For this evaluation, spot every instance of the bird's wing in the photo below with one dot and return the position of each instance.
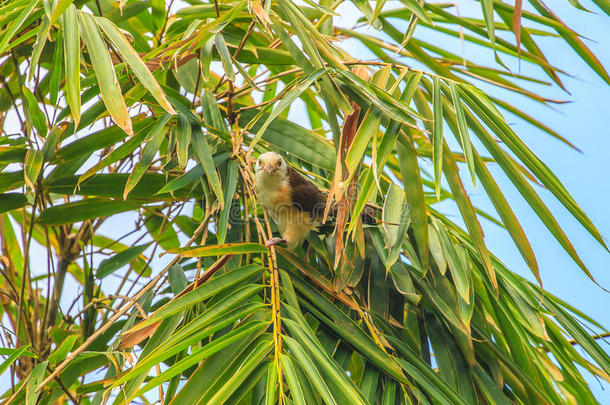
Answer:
(305, 195)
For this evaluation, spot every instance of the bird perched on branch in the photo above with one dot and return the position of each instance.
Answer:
(294, 203)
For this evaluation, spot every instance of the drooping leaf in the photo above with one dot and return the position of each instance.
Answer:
(105, 75)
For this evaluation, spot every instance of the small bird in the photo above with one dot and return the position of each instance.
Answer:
(294, 203)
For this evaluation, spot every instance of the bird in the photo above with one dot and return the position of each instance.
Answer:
(294, 203)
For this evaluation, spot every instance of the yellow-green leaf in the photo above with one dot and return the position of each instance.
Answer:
(104, 72)
(33, 164)
(72, 62)
(131, 57)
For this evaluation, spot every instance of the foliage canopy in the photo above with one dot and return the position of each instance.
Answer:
(128, 131)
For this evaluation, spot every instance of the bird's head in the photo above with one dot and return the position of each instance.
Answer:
(271, 165)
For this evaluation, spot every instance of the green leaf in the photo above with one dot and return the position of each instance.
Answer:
(192, 175)
(328, 367)
(153, 142)
(488, 10)
(271, 384)
(229, 385)
(213, 286)
(414, 193)
(310, 369)
(284, 103)
(15, 25)
(230, 185)
(468, 213)
(117, 154)
(32, 167)
(161, 229)
(463, 130)
(13, 357)
(437, 136)
(218, 317)
(139, 68)
(183, 139)
(204, 155)
(11, 180)
(62, 351)
(71, 47)
(296, 392)
(217, 250)
(34, 114)
(225, 56)
(104, 72)
(11, 201)
(108, 266)
(417, 9)
(485, 109)
(60, 7)
(83, 210)
(348, 330)
(403, 282)
(36, 376)
(393, 209)
(390, 106)
(206, 58)
(214, 347)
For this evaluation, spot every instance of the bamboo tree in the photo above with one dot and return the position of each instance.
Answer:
(132, 245)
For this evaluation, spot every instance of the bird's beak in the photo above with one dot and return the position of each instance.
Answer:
(270, 168)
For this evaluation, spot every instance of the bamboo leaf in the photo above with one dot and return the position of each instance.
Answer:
(153, 142)
(15, 25)
(284, 103)
(119, 260)
(34, 113)
(83, 210)
(32, 166)
(414, 193)
(437, 136)
(271, 384)
(225, 56)
(229, 188)
(296, 392)
(13, 357)
(229, 248)
(205, 352)
(41, 39)
(11, 201)
(463, 130)
(104, 72)
(204, 155)
(483, 107)
(183, 141)
(36, 376)
(71, 48)
(62, 351)
(131, 57)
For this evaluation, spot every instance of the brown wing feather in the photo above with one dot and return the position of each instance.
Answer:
(305, 195)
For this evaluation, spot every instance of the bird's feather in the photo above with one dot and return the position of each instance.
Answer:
(305, 195)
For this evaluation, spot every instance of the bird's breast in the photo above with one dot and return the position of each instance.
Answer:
(274, 196)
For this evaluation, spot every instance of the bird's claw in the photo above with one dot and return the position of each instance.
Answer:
(274, 241)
